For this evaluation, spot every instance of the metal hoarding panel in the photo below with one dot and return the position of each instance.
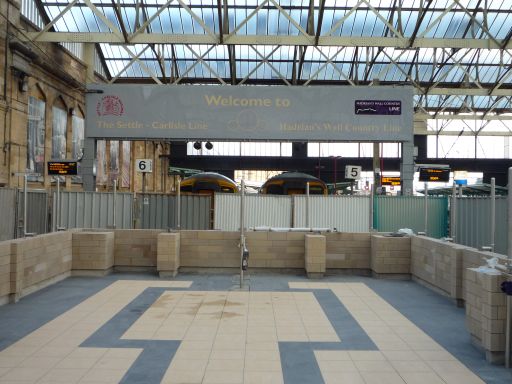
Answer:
(345, 213)
(8, 209)
(260, 210)
(395, 212)
(94, 210)
(37, 212)
(158, 211)
(473, 222)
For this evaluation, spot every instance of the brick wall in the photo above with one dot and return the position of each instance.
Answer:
(276, 249)
(135, 247)
(5, 268)
(391, 254)
(93, 250)
(348, 250)
(168, 253)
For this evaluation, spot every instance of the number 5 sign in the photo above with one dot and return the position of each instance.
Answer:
(144, 165)
(352, 172)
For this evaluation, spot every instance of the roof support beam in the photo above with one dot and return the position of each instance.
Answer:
(348, 41)
(117, 11)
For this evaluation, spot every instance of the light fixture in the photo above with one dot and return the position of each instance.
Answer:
(197, 145)
(22, 79)
(208, 145)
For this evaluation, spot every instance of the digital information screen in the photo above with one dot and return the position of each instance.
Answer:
(62, 168)
(435, 174)
(390, 180)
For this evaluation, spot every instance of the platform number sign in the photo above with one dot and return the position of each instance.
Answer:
(144, 165)
(352, 172)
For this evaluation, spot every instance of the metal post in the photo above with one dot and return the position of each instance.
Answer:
(58, 203)
(308, 212)
(178, 206)
(371, 208)
(453, 213)
(460, 190)
(425, 190)
(25, 185)
(144, 182)
(242, 236)
(508, 324)
(493, 211)
(114, 205)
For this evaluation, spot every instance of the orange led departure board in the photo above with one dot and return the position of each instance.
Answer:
(62, 168)
(390, 180)
(435, 174)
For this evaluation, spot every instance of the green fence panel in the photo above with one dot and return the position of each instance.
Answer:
(394, 212)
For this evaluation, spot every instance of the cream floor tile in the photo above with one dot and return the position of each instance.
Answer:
(366, 356)
(342, 378)
(195, 345)
(411, 366)
(263, 377)
(58, 375)
(225, 365)
(374, 366)
(262, 346)
(332, 356)
(460, 377)
(293, 337)
(27, 374)
(77, 362)
(382, 378)
(39, 362)
(435, 355)
(400, 355)
(422, 378)
(448, 367)
(337, 366)
(114, 363)
(227, 354)
(262, 354)
(103, 376)
(200, 354)
(183, 377)
(19, 350)
(54, 351)
(262, 365)
(223, 377)
(10, 361)
(178, 364)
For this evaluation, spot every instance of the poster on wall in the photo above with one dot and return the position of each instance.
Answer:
(320, 113)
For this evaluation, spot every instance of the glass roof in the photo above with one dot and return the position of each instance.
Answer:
(443, 44)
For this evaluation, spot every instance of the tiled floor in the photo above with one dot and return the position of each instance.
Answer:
(285, 329)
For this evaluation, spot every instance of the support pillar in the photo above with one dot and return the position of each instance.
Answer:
(407, 168)
(89, 157)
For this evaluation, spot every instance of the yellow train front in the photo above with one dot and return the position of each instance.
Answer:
(293, 183)
(207, 183)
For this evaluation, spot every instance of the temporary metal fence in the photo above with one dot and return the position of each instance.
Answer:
(473, 222)
(8, 209)
(159, 211)
(260, 210)
(93, 210)
(37, 212)
(395, 212)
(343, 213)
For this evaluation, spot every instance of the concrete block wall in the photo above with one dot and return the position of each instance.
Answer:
(45, 256)
(93, 250)
(168, 253)
(214, 249)
(486, 313)
(439, 264)
(348, 250)
(5, 268)
(391, 255)
(135, 247)
(276, 249)
(315, 246)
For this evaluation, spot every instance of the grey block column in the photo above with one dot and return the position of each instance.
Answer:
(407, 167)
(90, 144)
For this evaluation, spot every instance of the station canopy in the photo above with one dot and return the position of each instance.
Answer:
(456, 54)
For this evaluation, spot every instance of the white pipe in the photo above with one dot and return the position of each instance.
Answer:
(58, 203)
(425, 190)
(25, 198)
(493, 211)
(178, 206)
(114, 205)
(371, 208)
(242, 222)
(509, 264)
(453, 214)
(308, 207)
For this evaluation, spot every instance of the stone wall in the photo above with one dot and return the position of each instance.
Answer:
(168, 253)
(438, 263)
(214, 249)
(348, 251)
(276, 249)
(135, 248)
(93, 251)
(391, 255)
(486, 312)
(5, 268)
(315, 255)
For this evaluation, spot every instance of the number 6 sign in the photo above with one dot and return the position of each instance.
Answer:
(144, 165)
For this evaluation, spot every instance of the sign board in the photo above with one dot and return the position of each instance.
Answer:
(63, 168)
(460, 177)
(352, 172)
(435, 174)
(390, 180)
(206, 112)
(144, 165)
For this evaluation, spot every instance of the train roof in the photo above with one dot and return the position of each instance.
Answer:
(209, 175)
(294, 175)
